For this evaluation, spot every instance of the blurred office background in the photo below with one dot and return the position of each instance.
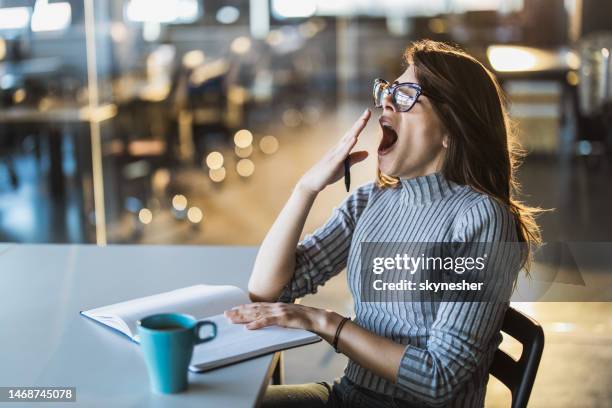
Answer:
(189, 121)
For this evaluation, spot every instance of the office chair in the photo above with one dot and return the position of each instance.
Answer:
(519, 376)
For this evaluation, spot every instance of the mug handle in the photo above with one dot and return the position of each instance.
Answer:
(199, 325)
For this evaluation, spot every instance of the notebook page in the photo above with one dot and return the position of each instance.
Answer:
(198, 300)
(234, 342)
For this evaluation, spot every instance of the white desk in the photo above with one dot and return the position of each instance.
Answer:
(45, 342)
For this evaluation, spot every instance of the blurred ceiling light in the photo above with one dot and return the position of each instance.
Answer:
(217, 175)
(194, 214)
(118, 32)
(509, 58)
(214, 160)
(151, 31)
(51, 17)
(145, 216)
(245, 167)
(268, 144)
(193, 58)
(188, 11)
(163, 11)
(243, 138)
(241, 45)
(14, 18)
(338, 8)
(179, 202)
(243, 152)
(293, 9)
(228, 15)
(259, 18)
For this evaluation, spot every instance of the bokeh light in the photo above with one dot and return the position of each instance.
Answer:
(193, 58)
(243, 138)
(241, 45)
(292, 117)
(217, 175)
(145, 216)
(268, 144)
(179, 202)
(243, 152)
(572, 78)
(194, 214)
(214, 160)
(245, 167)
(228, 15)
(19, 95)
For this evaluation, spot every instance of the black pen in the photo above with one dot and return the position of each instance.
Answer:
(347, 173)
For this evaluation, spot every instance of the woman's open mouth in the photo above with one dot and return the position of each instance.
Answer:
(389, 137)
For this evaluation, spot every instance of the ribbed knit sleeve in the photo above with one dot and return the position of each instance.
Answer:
(323, 254)
(459, 340)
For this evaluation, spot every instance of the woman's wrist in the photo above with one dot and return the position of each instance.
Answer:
(325, 323)
(304, 189)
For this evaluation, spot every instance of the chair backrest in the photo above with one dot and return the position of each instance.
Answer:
(519, 376)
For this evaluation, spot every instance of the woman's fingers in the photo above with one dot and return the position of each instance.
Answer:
(360, 124)
(245, 313)
(356, 129)
(328, 168)
(258, 315)
(253, 311)
(350, 138)
(263, 322)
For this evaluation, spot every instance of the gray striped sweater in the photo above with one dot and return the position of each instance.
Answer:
(449, 344)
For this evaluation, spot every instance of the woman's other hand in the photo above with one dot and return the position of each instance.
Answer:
(330, 168)
(261, 314)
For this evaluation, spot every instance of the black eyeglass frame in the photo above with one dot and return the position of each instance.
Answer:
(391, 89)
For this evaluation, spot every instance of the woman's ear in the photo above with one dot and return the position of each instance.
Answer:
(445, 141)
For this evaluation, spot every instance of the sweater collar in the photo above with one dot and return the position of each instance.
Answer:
(425, 189)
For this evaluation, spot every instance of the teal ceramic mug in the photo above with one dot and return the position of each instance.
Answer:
(167, 341)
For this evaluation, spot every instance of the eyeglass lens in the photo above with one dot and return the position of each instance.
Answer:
(403, 97)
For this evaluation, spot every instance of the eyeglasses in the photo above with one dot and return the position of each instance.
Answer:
(403, 95)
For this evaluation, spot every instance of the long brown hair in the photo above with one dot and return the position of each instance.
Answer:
(483, 151)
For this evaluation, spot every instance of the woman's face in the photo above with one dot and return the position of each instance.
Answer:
(413, 143)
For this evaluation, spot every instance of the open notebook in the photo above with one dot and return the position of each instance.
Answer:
(233, 343)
